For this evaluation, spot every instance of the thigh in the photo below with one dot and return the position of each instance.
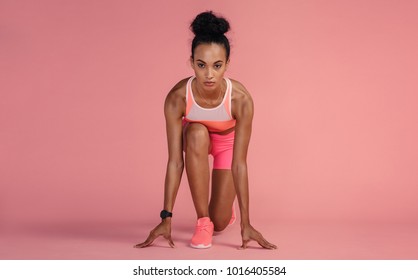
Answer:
(222, 150)
(222, 198)
(190, 128)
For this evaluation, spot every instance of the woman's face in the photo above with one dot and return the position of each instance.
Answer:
(209, 65)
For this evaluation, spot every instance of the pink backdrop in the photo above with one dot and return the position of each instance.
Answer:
(82, 86)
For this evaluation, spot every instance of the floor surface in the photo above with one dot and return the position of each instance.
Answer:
(295, 241)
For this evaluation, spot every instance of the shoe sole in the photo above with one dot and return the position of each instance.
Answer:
(200, 246)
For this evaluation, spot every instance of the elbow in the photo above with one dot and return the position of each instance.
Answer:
(176, 164)
(238, 167)
(180, 165)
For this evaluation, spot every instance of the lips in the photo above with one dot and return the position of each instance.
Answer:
(209, 84)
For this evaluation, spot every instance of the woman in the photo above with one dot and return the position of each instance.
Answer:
(208, 114)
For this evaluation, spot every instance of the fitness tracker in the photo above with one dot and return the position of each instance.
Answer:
(164, 214)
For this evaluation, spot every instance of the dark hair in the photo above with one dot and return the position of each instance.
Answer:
(209, 28)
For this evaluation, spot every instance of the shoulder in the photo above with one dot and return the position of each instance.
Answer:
(239, 93)
(176, 97)
(241, 98)
(179, 89)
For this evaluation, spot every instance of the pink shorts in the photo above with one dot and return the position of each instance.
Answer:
(222, 150)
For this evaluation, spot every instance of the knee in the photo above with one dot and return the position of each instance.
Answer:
(219, 225)
(219, 228)
(197, 138)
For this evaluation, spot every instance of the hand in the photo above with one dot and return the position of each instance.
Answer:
(248, 233)
(163, 229)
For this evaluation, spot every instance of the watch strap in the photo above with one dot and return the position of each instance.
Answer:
(165, 214)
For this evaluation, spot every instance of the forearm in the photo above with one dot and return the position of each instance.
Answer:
(240, 176)
(172, 183)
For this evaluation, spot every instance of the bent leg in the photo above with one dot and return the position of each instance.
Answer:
(196, 146)
(222, 198)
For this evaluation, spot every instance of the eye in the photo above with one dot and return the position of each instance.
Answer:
(217, 66)
(200, 65)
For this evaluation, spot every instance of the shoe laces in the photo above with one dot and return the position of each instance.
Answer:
(205, 227)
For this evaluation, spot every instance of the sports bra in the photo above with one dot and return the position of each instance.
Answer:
(215, 119)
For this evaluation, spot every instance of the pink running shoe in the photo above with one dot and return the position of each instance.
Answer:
(233, 216)
(202, 237)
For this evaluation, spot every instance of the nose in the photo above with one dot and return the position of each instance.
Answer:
(209, 73)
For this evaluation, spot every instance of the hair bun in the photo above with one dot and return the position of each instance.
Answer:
(207, 23)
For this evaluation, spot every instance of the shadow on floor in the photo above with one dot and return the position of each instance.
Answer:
(109, 231)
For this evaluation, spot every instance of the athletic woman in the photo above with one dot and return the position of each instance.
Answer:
(208, 114)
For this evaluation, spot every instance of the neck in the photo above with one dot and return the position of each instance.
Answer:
(210, 98)
(209, 94)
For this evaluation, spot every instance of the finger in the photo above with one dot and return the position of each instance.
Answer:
(146, 243)
(244, 244)
(269, 246)
(170, 242)
(265, 244)
(143, 244)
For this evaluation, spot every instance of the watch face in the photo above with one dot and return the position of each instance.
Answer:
(164, 214)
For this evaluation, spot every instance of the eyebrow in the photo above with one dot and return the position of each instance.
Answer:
(213, 63)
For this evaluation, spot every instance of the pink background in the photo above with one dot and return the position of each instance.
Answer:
(82, 136)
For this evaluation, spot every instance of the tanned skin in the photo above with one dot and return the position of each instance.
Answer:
(209, 64)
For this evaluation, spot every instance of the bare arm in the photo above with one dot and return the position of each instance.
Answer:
(173, 111)
(243, 113)
(174, 107)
